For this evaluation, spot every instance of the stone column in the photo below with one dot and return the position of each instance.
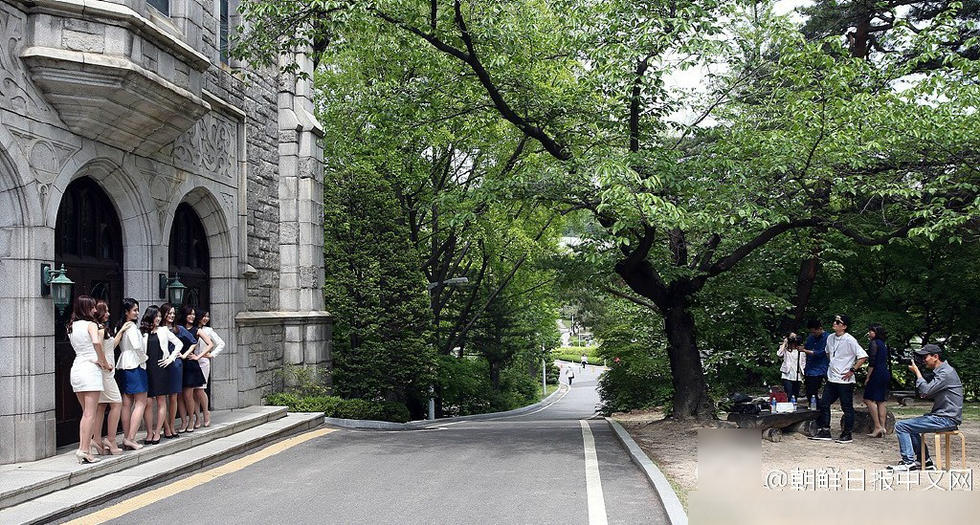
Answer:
(301, 223)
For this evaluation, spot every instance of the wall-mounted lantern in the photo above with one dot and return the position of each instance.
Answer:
(172, 289)
(56, 284)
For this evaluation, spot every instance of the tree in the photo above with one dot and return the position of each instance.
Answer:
(685, 200)
(375, 291)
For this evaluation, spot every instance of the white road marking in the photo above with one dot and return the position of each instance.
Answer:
(597, 504)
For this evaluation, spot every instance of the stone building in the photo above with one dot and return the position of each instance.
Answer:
(131, 148)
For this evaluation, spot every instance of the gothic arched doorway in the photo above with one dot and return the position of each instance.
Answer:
(190, 257)
(88, 241)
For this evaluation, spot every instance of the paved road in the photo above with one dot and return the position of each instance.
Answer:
(525, 469)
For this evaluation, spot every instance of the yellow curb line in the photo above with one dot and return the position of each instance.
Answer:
(155, 495)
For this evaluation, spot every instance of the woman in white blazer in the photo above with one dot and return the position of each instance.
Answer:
(131, 373)
(157, 340)
(206, 333)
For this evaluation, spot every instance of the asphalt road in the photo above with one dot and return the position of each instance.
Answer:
(524, 469)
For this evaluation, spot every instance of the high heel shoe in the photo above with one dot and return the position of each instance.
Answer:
(82, 457)
(111, 446)
(131, 445)
(96, 448)
(876, 434)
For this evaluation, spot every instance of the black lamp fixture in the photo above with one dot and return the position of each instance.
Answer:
(57, 284)
(172, 289)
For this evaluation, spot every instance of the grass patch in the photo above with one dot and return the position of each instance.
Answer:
(574, 354)
(551, 390)
(971, 411)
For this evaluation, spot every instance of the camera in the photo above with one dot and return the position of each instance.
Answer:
(794, 340)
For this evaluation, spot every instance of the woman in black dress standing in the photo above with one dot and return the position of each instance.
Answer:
(175, 372)
(193, 376)
(159, 365)
(879, 378)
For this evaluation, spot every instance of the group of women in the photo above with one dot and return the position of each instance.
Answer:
(163, 366)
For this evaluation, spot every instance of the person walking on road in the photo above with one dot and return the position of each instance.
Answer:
(570, 373)
(585, 361)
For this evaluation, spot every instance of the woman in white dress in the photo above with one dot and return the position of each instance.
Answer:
(110, 395)
(86, 371)
(206, 333)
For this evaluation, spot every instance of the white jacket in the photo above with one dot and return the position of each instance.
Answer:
(794, 362)
(132, 350)
(164, 347)
(219, 343)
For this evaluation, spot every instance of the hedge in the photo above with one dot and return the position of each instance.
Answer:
(333, 406)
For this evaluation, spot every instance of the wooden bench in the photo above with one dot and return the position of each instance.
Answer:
(772, 425)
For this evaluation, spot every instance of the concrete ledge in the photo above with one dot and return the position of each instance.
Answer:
(77, 498)
(20, 482)
(365, 424)
(672, 505)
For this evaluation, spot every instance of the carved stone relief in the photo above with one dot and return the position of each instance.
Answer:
(16, 91)
(209, 148)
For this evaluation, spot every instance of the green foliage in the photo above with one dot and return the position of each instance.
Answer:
(304, 381)
(333, 406)
(375, 292)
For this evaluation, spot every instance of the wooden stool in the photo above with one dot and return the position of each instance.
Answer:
(939, 450)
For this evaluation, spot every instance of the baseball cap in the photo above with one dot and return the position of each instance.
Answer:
(929, 349)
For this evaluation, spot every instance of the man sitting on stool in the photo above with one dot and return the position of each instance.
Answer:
(946, 391)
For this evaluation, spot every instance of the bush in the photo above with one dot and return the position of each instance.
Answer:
(574, 354)
(636, 382)
(333, 406)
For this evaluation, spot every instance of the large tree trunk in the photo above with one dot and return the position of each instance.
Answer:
(691, 397)
(804, 287)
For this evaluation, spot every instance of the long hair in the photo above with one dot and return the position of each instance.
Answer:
(102, 317)
(82, 310)
(201, 315)
(146, 323)
(165, 310)
(127, 305)
(880, 333)
(184, 312)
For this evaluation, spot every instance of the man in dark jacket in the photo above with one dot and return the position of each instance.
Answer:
(816, 358)
(946, 392)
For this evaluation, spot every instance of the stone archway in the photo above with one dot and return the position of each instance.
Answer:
(88, 242)
(221, 241)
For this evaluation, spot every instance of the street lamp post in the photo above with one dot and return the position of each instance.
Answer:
(455, 281)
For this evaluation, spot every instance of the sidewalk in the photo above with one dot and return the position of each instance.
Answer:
(56, 486)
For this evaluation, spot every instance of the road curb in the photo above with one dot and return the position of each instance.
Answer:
(366, 424)
(672, 505)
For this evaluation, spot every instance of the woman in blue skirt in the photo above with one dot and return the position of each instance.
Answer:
(131, 373)
(879, 378)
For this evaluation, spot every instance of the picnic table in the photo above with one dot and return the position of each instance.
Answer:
(773, 425)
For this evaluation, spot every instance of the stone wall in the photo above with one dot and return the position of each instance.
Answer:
(190, 131)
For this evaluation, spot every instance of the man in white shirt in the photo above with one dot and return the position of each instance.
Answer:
(846, 356)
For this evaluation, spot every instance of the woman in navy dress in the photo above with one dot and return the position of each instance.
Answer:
(175, 381)
(879, 378)
(193, 375)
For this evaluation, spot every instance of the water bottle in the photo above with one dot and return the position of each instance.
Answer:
(792, 399)
(813, 402)
(772, 404)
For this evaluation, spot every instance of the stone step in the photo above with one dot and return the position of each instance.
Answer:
(20, 482)
(64, 502)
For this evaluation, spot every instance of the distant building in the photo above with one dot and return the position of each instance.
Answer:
(131, 149)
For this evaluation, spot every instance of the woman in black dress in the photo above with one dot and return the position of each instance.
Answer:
(175, 372)
(193, 376)
(159, 365)
(879, 377)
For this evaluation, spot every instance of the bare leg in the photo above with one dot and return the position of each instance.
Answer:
(171, 413)
(97, 427)
(127, 414)
(883, 417)
(161, 416)
(202, 402)
(113, 427)
(148, 418)
(183, 409)
(139, 408)
(190, 408)
(873, 410)
(89, 402)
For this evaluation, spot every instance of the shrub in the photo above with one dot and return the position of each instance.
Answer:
(333, 406)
